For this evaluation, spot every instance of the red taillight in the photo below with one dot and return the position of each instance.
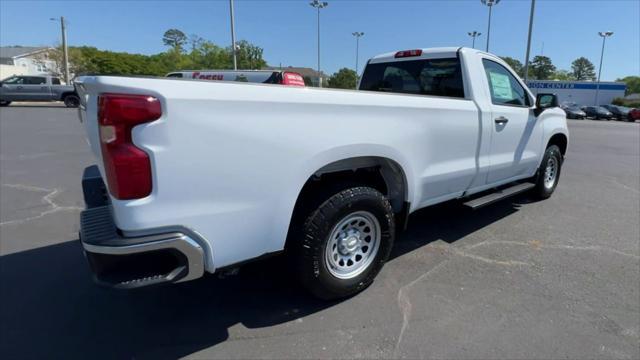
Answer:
(408, 53)
(292, 79)
(128, 168)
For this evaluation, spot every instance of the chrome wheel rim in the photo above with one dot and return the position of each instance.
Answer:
(353, 244)
(550, 173)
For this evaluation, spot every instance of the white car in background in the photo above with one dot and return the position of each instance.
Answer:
(253, 76)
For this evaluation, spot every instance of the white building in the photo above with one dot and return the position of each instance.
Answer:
(24, 60)
(579, 92)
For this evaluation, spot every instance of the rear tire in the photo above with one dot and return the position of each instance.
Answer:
(71, 101)
(342, 244)
(548, 174)
(4, 103)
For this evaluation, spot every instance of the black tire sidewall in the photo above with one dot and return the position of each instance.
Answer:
(541, 191)
(317, 228)
(71, 101)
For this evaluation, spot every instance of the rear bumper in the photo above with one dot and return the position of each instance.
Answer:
(129, 262)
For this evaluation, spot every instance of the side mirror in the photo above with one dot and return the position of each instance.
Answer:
(545, 101)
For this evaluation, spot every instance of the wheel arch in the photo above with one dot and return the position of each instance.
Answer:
(382, 173)
(559, 139)
(67, 93)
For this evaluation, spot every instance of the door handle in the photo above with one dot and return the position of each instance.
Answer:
(501, 120)
(44, 88)
(19, 87)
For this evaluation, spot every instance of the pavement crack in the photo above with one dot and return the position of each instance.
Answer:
(539, 245)
(404, 303)
(47, 199)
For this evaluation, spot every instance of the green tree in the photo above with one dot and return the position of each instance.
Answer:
(344, 79)
(541, 68)
(249, 56)
(175, 39)
(583, 69)
(633, 84)
(563, 75)
(308, 81)
(514, 64)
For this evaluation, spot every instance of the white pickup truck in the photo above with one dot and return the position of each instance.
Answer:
(202, 176)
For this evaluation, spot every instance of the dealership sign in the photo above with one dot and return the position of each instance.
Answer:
(574, 85)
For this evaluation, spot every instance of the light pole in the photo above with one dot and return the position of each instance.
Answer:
(233, 37)
(605, 35)
(358, 35)
(526, 59)
(65, 51)
(319, 5)
(490, 4)
(474, 34)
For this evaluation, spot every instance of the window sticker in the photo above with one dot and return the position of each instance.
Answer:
(501, 86)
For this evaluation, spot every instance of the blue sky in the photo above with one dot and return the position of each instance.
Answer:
(287, 29)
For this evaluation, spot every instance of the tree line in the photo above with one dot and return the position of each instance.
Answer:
(183, 52)
(541, 68)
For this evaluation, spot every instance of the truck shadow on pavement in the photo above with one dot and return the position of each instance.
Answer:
(50, 307)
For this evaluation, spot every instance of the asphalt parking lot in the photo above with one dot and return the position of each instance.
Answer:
(519, 279)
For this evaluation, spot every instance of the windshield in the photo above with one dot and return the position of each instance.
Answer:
(13, 80)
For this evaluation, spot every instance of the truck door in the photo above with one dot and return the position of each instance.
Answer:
(35, 88)
(12, 87)
(516, 138)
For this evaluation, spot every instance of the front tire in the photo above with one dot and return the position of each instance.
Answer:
(343, 243)
(548, 173)
(4, 103)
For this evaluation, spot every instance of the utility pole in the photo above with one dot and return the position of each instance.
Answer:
(490, 4)
(358, 35)
(233, 37)
(526, 59)
(605, 35)
(65, 50)
(319, 5)
(474, 34)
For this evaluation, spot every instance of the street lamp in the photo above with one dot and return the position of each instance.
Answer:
(526, 60)
(319, 5)
(233, 37)
(605, 35)
(474, 34)
(358, 35)
(490, 4)
(65, 51)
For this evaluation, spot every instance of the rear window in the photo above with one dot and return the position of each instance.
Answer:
(436, 77)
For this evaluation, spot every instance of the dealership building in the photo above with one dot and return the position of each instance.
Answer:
(579, 92)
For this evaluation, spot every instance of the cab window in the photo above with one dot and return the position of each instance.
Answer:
(504, 87)
(55, 81)
(36, 80)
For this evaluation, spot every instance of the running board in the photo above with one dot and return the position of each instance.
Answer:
(499, 195)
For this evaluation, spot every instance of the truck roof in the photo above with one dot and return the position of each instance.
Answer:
(427, 53)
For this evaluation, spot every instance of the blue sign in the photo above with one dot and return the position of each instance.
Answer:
(571, 86)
